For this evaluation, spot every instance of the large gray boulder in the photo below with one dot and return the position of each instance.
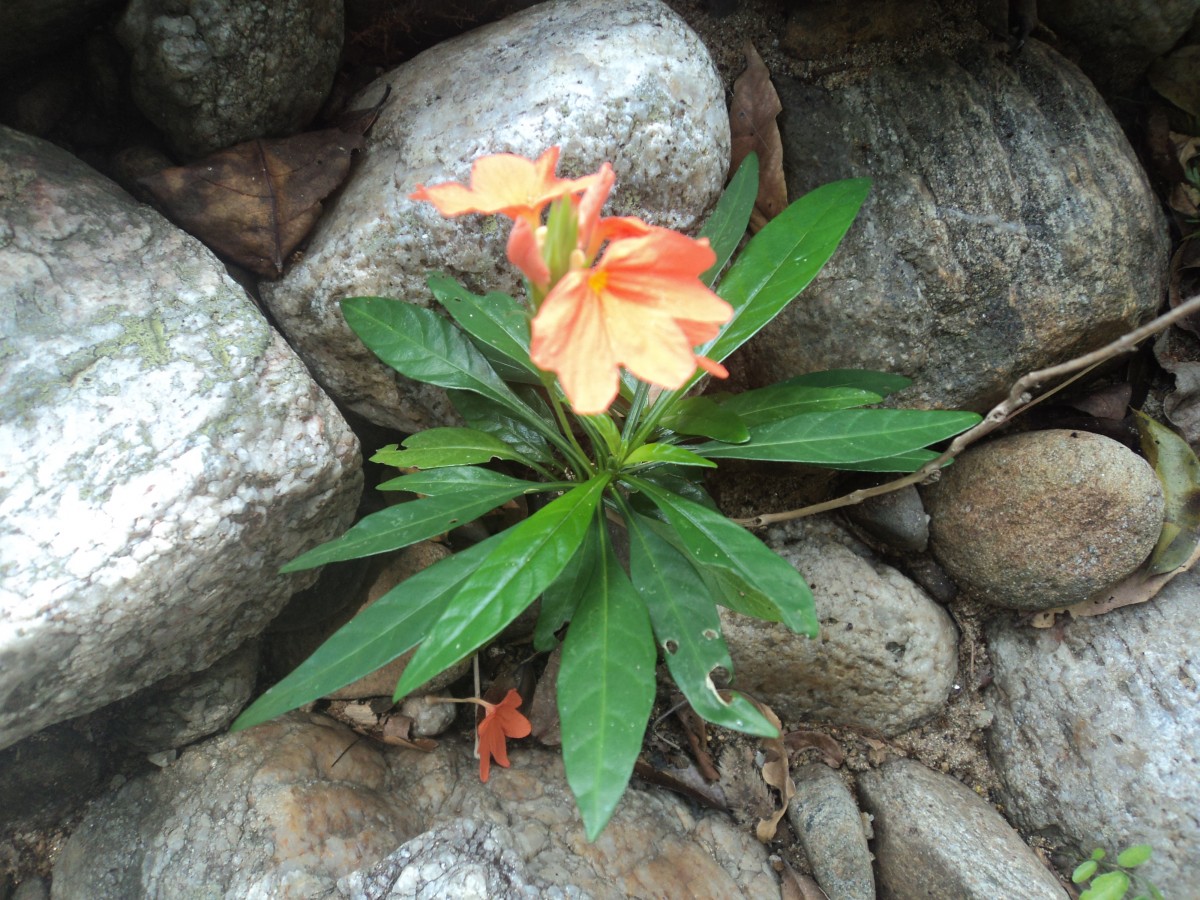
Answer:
(1009, 225)
(163, 451)
(627, 82)
(1096, 730)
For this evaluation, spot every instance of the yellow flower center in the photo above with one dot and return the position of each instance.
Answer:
(598, 280)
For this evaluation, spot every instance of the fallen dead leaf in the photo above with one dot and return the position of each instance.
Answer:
(753, 129)
(255, 202)
(795, 886)
(831, 751)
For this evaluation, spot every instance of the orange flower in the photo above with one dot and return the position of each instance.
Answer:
(641, 306)
(501, 721)
(507, 184)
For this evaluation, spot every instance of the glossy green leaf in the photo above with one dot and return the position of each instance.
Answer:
(606, 686)
(392, 625)
(524, 563)
(1109, 886)
(756, 580)
(468, 494)
(1084, 871)
(787, 399)
(901, 462)
(421, 345)
(606, 432)
(667, 454)
(440, 447)
(882, 383)
(1179, 471)
(1134, 856)
(844, 436)
(497, 323)
(727, 225)
(491, 418)
(702, 417)
(561, 597)
(682, 481)
(687, 627)
(781, 260)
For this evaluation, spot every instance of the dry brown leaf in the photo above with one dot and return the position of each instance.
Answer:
(753, 128)
(1137, 588)
(255, 202)
(794, 886)
(696, 732)
(775, 772)
(687, 781)
(397, 733)
(831, 751)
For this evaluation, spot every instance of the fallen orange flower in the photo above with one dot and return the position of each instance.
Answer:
(641, 306)
(500, 721)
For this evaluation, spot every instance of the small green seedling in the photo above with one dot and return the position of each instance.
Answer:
(1118, 880)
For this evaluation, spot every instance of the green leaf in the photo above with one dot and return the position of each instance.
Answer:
(1135, 856)
(561, 597)
(687, 628)
(389, 627)
(1109, 886)
(781, 260)
(456, 479)
(701, 416)
(1084, 871)
(667, 454)
(497, 323)
(492, 418)
(607, 432)
(469, 494)
(1179, 471)
(726, 226)
(882, 383)
(440, 447)
(421, 345)
(606, 686)
(682, 482)
(844, 436)
(901, 462)
(760, 582)
(1099, 853)
(530, 557)
(787, 399)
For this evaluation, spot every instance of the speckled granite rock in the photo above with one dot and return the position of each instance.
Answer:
(1044, 519)
(1009, 225)
(936, 839)
(213, 74)
(164, 450)
(886, 656)
(619, 80)
(286, 809)
(828, 823)
(1096, 736)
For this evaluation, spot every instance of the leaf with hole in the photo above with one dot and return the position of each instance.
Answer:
(438, 448)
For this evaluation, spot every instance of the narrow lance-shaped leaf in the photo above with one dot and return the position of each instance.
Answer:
(754, 571)
(474, 492)
(666, 454)
(561, 597)
(422, 345)
(529, 558)
(392, 625)
(441, 447)
(497, 323)
(786, 399)
(605, 686)
(783, 258)
(687, 627)
(844, 436)
(901, 462)
(702, 417)
(726, 226)
(882, 383)
(489, 417)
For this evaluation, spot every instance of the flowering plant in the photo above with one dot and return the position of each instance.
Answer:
(584, 387)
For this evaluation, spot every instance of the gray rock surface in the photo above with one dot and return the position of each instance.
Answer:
(887, 654)
(827, 821)
(217, 73)
(1115, 43)
(286, 809)
(624, 81)
(1009, 225)
(938, 840)
(1044, 519)
(463, 859)
(164, 450)
(1096, 736)
(897, 518)
(182, 709)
